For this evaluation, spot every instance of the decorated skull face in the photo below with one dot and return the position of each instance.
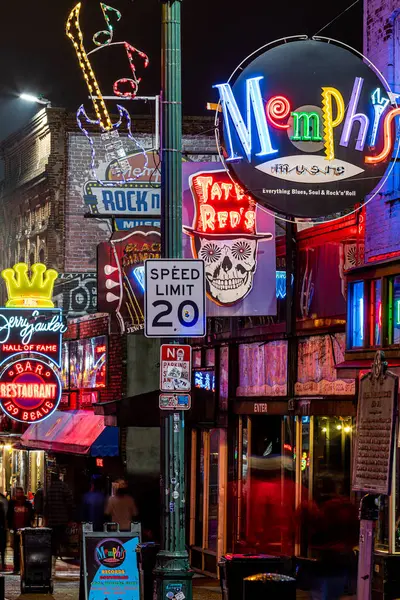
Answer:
(229, 266)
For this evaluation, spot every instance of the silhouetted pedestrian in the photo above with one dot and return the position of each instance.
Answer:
(19, 515)
(58, 512)
(93, 506)
(122, 508)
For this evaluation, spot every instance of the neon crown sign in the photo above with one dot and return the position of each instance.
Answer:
(30, 326)
(307, 128)
(25, 291)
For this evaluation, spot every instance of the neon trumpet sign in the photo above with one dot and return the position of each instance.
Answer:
(304, 120)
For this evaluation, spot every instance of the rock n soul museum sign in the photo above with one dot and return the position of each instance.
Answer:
(307, 127)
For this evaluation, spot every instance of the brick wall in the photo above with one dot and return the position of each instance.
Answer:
(87, 327)
(47, 163)
(382, 47)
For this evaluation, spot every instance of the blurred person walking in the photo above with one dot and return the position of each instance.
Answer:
(122, 508)
(58, 513)
(19, 515)
(94, 504)
(333, 531)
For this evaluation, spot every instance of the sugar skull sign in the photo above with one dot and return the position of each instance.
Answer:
(220, 228)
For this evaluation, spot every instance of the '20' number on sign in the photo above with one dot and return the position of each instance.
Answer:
(187, 312)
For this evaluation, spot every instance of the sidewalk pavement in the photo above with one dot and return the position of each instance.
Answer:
(66, 585)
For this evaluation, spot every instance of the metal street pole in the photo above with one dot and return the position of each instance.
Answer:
(173, 574)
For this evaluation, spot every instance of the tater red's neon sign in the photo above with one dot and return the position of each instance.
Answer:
(223, 207)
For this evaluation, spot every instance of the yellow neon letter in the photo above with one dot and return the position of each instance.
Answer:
(329, 122)
(73, 31)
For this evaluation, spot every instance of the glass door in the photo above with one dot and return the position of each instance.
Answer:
(208, 499)
(266, 484)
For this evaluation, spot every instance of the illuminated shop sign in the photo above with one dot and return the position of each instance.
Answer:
(307, 128)
(204, 380)
(29, 291)
(30, 390)
(120, 275)
(140, 197)
(224, 227)
(24, 330)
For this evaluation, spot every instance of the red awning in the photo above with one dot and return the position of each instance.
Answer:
(65, 431)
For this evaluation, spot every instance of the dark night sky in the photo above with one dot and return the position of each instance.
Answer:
(37, 57)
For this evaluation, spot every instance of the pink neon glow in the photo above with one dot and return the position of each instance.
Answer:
(278, 109)
(395, 112)
(134, 82)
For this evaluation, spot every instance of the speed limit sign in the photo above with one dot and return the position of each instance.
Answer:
(174, 298)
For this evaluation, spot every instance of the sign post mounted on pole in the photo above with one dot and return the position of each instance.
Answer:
(373, 458)
(173, 574)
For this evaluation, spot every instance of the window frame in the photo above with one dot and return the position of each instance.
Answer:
(350, 332)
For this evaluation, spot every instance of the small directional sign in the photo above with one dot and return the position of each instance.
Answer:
(175, 401)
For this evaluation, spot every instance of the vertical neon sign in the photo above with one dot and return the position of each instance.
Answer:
(231, 110)
(352, 117)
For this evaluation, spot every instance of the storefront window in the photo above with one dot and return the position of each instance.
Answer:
(213, 491)
(64, 371)
(271, 499)
(376, 312)
(210, 357)
(395, 302)
(196, 358)
(332, 457)
(356, 314)
(243, 494)
(88, 363)
(382, 525)
(199, 491)
(305, 454)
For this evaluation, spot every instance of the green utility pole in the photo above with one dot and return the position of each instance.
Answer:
(173, 574)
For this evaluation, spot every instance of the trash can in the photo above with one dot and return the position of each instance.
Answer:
(269, 585)
(235, 567)
(146, 558)
(36, 560)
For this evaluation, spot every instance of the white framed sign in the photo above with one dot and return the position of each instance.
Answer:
(174, 298)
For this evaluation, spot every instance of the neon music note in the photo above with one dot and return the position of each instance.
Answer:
(134, 82)
(74, 33)
(109, 32)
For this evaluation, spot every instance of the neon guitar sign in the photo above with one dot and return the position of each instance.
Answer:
(126, 87)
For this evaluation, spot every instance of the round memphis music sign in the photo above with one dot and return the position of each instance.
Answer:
(307, 128)
(30, 390)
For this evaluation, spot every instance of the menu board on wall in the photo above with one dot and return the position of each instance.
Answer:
(373, 454)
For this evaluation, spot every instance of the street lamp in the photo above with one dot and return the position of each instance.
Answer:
(37, 99)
